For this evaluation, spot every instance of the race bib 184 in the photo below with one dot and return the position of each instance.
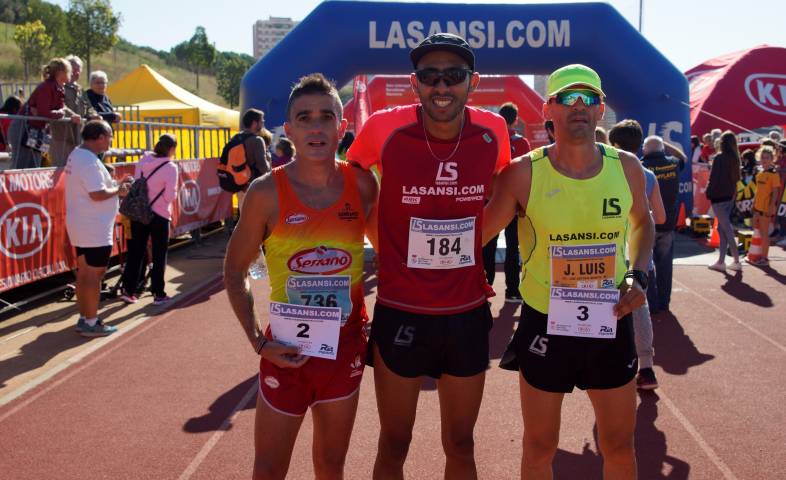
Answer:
(441, 244)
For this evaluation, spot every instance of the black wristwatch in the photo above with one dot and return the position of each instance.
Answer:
(639, 277)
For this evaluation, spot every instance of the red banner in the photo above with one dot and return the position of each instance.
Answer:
(33, 239)
(362, 104)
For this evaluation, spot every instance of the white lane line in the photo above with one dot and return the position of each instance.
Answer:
(714, 458)
(17, 334)
(764, 336)
(213, 440)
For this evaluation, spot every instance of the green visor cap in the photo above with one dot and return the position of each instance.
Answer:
(573, 76)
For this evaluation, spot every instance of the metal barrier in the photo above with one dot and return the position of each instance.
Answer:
(14, 88)
(132, 138)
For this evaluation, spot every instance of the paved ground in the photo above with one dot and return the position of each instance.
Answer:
(172, 396)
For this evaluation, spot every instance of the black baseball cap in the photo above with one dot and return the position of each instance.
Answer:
(445, 42)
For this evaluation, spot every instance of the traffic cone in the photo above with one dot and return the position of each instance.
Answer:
(681, 223)
(754, 253)
(714, 237)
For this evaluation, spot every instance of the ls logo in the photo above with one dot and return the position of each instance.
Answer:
(611, 207)
(447, 172)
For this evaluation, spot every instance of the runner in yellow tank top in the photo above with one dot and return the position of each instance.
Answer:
(310, 215)
(578, 203)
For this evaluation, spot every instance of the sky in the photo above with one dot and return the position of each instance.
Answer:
(687, 32)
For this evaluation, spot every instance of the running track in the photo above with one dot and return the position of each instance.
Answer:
(173, 398)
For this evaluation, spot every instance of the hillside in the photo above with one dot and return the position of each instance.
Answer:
(116, 63)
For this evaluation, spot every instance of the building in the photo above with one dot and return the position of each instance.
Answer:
(267, 33)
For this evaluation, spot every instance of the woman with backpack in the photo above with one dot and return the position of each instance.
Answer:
(160, 173)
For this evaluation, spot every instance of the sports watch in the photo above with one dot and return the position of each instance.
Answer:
(639, 277)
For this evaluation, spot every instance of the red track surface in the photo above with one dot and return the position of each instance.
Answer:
(158, 402)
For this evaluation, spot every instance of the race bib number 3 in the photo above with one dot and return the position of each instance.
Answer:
(441, 244)
(321, 291)
(314, 329)
(583, 312)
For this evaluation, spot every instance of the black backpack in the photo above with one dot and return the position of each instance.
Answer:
(136, 205)
(234, 172)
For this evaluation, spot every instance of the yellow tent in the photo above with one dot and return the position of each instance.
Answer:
(161, 100)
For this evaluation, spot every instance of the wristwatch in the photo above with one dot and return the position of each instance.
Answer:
(639, 277)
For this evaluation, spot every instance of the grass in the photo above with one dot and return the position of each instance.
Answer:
(116, 63)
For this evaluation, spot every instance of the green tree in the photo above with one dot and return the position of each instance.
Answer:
(33, 43)
(230, 68)
(92, 27)
(54, 19)
(201, 54)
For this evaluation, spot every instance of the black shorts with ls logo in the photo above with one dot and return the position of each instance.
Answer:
(557, 363)
(413, 344)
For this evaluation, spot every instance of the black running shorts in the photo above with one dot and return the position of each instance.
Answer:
(97, 257)
(412, 344)
(557, 363)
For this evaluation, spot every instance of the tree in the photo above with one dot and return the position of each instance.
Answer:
(33, 43)
(201, 54)
(230, 68)
(53, 18)
(92, 28)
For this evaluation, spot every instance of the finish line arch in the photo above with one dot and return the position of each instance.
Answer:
(343, 38)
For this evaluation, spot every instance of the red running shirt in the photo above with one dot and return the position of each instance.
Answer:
(431, 206)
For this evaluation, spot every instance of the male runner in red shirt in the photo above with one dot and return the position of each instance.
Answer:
(437, 160)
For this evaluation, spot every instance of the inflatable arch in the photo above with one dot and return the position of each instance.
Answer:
(343, 38)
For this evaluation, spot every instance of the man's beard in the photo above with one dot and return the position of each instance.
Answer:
(449, 114)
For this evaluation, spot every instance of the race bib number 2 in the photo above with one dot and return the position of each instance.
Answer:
(315, 330)
(441, 244)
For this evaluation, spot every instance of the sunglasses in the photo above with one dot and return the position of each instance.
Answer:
(570, 97)
(451, 76)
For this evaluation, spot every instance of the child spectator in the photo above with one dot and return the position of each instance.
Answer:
(285, 150)
(765, 203)
(11, 106)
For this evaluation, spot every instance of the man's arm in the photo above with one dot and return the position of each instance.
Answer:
(255, 146)
(369, 193)
(642, 236)
(242, 250)
(675, 151)
(656, 205)
(511, 190)
(108, 192)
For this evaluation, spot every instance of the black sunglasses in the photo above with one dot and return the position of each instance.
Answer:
(451, 76)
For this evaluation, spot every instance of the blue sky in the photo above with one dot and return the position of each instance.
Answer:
(687, 32)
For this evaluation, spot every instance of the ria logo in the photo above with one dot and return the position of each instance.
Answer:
(24, 230)
(320, 260)
(767, 91)
(188, 197)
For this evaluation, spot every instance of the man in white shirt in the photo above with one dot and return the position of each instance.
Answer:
(91, 208)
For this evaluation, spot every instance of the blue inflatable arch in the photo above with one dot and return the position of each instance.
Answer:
(343, 38)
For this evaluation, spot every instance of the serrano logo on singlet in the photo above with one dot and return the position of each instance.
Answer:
(322, 260)
(24, 229)
(296, 219)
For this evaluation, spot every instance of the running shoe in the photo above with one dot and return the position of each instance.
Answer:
(128, 298)
(161, 300)
(97, 330)
(759, 262)
(513, 297)
(718, 267)
(646, 380)
(782, 243)
(735, 266)
(79, 324)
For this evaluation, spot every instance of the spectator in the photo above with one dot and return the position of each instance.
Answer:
(667, 171)
(47, 100)
(518, 146)
(600, 135)
(65, 136)
(765, 203)
(161, 174)
(91, 207)
(267, 136)
(344, 144)
(627, 135)
(253, 123)
(721, 192)
(707, 149)
(11, 106)
(285, 151)
(96, 96)
(748, 160)
(695, 149)
(549, 126)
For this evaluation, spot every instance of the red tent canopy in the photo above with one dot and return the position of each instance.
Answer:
(739, 91)
(387, 91)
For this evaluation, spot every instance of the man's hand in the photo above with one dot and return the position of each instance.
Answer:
(282, 356)
(118, 117)
(76, 119)
(632, 298)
